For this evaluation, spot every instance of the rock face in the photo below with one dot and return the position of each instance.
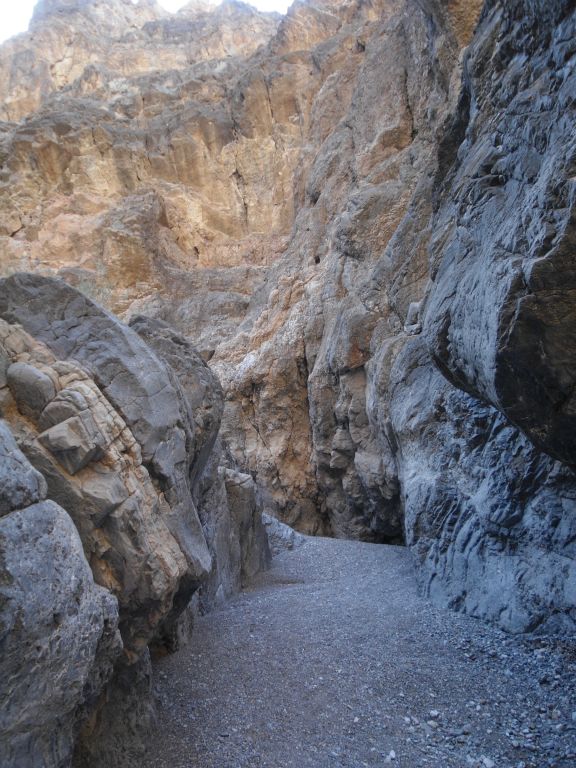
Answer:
(114, 450)
(58, 629)
(94, 39)
(489, 518)
(119, 438)
(499, 323)
(362, 216)
(500, 320)
(228, 501)
(300, 382)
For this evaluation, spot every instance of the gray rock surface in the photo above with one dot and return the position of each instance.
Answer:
(231, 513)
(246, 513)
(20, 484)
(31, 389)
(228, 501)
(500, 318)
(135, 382)
(75, 396)
(280, 536)
(115, 737)
(96, 473)
(490, 520)
(201, 388)
(59, 635)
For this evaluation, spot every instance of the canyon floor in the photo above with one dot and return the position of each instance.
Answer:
(333, 659)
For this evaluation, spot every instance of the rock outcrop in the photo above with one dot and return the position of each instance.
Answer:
(362, 215)
(58, 629)
(489, 518)
(118, 437)
(500, 320)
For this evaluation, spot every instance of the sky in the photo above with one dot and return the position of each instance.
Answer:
(15, 15)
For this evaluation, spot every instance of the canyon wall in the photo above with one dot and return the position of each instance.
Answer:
(361, 214)
(243, 196)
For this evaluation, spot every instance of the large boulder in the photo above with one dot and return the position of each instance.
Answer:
(123, 440)
(199, 384)
(92, 466)
(58, 630)
(135, 382)
(228, 500)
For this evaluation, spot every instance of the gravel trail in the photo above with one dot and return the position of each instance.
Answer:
(333, 660)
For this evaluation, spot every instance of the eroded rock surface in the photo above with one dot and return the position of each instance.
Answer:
(136, 435)
(500, 319)
(117, 437)
(58, 629)
(490, 519)
(304, 207)
(246, 201)
(228, 501)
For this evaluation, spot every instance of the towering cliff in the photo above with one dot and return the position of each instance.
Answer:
(243, 196)
(361, 214)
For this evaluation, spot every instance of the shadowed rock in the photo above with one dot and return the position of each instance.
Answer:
(59, 635)
(500, 319)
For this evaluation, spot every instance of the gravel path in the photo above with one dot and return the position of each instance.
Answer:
(333, 660)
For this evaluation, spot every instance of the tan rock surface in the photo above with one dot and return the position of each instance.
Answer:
(243, 195)
(277, 201)
(94, 469)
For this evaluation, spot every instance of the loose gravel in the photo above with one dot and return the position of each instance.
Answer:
(333, 660)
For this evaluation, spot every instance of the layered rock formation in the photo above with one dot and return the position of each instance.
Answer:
(118, 438)
(362, 215)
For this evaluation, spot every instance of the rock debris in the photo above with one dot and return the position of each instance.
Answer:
(332, 659)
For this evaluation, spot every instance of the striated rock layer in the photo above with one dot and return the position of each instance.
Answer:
(362, 215)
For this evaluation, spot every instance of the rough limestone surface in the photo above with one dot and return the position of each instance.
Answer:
(491, 520)
(94, 440)
(108, 430)
(297, 379)
(199, 384)
(58, 629)
(352, 178)
(245, 511)
(280, 536)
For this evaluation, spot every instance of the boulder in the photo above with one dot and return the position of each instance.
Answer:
(58, 630)
(137, 385)
(280, 536)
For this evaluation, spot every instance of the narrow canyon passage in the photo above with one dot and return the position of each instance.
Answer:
(332, 659)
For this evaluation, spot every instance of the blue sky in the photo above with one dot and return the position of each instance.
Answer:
(14, 16)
